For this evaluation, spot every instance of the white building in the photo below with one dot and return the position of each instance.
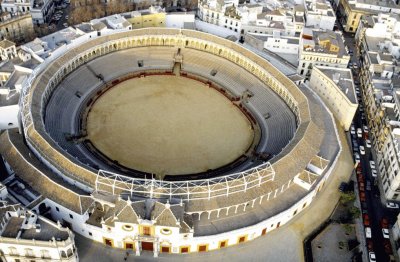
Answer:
(7, 50)
(319, 14)
(41, 11)
(336, 88)
(15, 7)
(321, 48)
(27, 236)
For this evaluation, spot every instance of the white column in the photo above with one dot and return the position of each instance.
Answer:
(137, 248)
(156, 248)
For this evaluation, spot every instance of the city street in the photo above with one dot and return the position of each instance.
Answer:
(373, 206)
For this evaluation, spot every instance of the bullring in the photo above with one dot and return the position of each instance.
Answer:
(293, 152)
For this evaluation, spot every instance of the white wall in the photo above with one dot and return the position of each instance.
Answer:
(9, 117)
(178, 20)
(214, 29)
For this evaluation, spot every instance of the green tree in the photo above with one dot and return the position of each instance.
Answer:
(346, 197)
(354, 212)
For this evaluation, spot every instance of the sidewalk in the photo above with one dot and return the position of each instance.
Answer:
(284, 244)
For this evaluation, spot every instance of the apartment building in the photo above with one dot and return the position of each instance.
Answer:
(16, 28)
(351, 11)
(321, 48)
(319, 14)
(377, 43)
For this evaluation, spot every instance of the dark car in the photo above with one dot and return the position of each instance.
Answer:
(343, 187)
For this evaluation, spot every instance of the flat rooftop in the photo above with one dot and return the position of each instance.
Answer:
(344, 80)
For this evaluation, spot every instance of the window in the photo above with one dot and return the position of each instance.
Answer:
(242, 239)
(202, 248)
(108, 242)
(71, 216)
(127, 227)
(90, 234)
(264, 232)
(146, 231)
(58, 210)
(223, 243)
(165, 231)
(29, 252)
(165, 249)
(185, 249)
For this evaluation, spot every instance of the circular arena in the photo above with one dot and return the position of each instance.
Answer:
(172, 141)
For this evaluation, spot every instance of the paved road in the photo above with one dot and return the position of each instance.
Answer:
(374, 207)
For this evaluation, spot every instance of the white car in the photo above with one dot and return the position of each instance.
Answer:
(357, 157)
(365, 128)
(385, 233)
(392, 205)
(362, 150)
(374, 173)
(372, 257)
(352, 130)
(368, 233)
(368, 143)
(372, 164)
(359, 132)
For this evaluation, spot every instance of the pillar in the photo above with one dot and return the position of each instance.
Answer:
(137, 248)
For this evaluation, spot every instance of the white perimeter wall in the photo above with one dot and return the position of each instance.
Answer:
(9, 117)
(178, 20)
(214, 29)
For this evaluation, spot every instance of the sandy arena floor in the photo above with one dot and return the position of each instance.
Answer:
(168, 125)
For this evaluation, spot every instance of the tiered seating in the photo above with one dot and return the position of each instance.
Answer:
(64, 104)
(61, 111)
(123, 62)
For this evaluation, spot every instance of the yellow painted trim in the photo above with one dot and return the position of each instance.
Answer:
(198, 247)
(104, 241)
(166, 234)
(239, 237)
(141, 230)
(226, 243)
(125, 229)
(188, 247)
(133, 244)
(169, 249)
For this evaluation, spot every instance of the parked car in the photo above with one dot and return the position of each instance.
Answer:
(368, 233)
(343, 187)
(372, 164)
(372, 257)
(384, 223)
(392, 205)
(352, 130)
(362, 150)
(365, 129)
(368, 143)
(357, 157)
(362, 196)
(366, 220)
(368, 186)
(359, 132)
(370, 245)
(385, 233)
(374, 173)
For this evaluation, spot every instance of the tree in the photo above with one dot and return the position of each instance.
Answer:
(354, 212)
(348, 228)
(346, 197)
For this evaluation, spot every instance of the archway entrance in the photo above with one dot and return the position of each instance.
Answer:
(148, 246)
